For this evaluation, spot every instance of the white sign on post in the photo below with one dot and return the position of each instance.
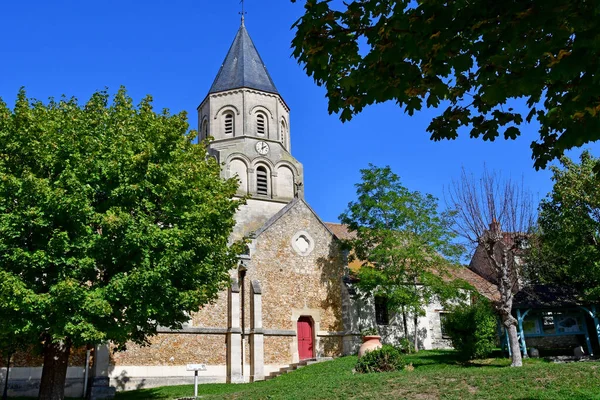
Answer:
(196, 368)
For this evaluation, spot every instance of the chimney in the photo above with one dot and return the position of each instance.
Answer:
(495, 226)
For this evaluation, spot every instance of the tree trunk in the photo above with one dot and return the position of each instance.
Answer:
(416, 322)
(405, 322)
(507, 287)
(54, 372)
(5, 391)
(510, 324)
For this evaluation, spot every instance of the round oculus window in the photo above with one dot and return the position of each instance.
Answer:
(303, 243)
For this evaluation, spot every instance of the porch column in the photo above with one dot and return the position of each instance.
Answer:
(521, 332)
(596, 322)
(587, 338)
(234, 335)
(257, 351)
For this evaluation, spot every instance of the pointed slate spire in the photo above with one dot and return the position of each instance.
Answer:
(243, 67)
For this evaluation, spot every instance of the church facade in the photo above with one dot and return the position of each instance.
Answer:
(290, 298)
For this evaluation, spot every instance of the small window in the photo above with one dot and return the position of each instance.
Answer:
(228, 123)
(204, 129)
(444, 325)
(381, 311)
(262, 186)
(283, 133)
(548, 323)
(261, 128)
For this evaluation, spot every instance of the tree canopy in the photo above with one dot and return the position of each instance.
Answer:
(112, 222)
(490, 66)
(405, 245)
(567, 247)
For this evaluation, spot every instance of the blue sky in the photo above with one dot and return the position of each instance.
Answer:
(173, 50)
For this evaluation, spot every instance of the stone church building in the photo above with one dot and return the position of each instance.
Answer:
(290, 298)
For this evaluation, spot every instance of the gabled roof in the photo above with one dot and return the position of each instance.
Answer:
(340, 230)
(484, 287)
(547, 296)
(284, 210)
(243, 67)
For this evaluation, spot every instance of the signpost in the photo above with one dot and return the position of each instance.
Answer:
(196, 368)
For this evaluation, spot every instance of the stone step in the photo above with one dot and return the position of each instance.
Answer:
(295, 366)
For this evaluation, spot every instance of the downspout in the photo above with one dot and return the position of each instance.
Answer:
(242, 275)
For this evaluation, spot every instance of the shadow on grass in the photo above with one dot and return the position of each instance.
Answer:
(142, 394)
(451, 358)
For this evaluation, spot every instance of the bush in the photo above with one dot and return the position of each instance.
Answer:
(405, 346)
(370, 332)
(472, 329)
(386, 359)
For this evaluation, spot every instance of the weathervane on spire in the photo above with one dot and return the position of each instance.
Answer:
(243, 12)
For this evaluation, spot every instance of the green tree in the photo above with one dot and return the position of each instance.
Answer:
(405, 244)
(475, 59)
(112, 223)
(567, 247)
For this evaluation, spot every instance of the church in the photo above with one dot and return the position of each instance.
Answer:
(291, 297)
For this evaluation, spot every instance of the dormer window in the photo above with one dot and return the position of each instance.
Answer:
(228, 121)
(261, 126)
(262, 185)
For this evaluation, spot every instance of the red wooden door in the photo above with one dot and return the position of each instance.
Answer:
(305, 338)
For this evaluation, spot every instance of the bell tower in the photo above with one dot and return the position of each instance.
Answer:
(248, 123)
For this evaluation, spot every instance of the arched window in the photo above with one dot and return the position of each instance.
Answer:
(228, 123)
(262, 185)
(283, 133)
(261, 124)
(204, 133)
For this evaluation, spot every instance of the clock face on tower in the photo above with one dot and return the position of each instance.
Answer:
(262, 148)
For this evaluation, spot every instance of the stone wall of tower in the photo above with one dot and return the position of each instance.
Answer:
(245, 103)
(237, 153)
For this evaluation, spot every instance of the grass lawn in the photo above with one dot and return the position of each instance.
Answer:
(436, 375)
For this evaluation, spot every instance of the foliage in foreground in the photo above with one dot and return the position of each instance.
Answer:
(386, 359)
(112, 223)
(475, 59)
(437, 374)
(473, 329)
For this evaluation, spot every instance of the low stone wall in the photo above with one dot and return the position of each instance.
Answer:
(25, 381)
(567, 342)
(143, 377)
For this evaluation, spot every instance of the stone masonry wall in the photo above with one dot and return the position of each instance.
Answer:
(277, 349)
(174, 349)
(212, 315)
